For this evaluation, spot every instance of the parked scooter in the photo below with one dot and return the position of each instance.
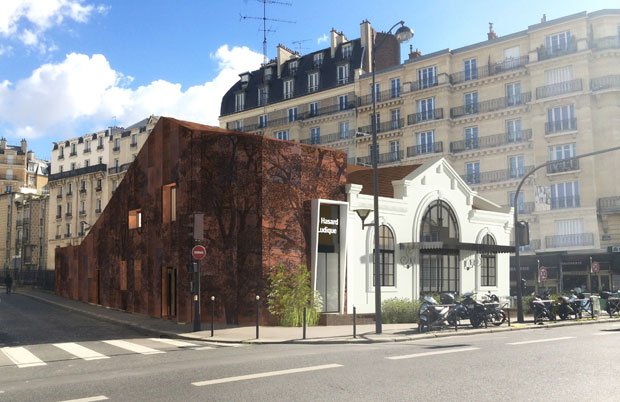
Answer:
(433, 315)
(470, 309)
(494, 313)
(542, 307)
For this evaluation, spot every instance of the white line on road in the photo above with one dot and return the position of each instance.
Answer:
(132, 347)
(174, 342)
(90, 399)
(541, 340)
(266, 374)
(22, 357)
(80, 351)
(613, 332)
(438, 352)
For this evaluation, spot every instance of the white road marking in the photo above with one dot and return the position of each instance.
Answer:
(80, 351)
(133, 347)
(173, 342)
(22, 357)
(437, 352)
(608, 333)
(541, 340)
(266, 374)
(203, 348)
(89, 399)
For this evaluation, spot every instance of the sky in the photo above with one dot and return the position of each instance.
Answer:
(73, 67)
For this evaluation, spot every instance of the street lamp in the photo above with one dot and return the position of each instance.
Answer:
(403, 34)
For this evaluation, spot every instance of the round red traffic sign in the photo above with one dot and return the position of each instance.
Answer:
(543, 273)
(595, 267)
(199, 252)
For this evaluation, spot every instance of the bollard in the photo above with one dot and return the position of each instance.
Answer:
(257, 314)
(354, 330)
(305, 322)
(508, 316)
(591, 308)
(212, 313)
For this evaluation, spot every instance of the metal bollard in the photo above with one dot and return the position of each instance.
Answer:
(354, 329)
(257, 314)
(212, 313)
(508, 316)
(305, 322)
(591, 308)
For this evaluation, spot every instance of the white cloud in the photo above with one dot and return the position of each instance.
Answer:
(58, 99)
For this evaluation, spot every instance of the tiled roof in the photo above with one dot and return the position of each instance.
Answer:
(364, 176)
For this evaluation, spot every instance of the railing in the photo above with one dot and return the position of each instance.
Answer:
(73, 154)
(97, 189)
(608, 204)
(563, 165)
(98, 210)
(326, 110)
(558, 126)
(434, 114)
(116, 149)
(491, 105)
(381, 96)
(38, 278)
(435, 147)
(496, 176)
(571, 201)
(545, 53)
(99, 147)
(524, 208)
(68, 215)
(534, 245)
(491, 141)
(58, 216)
(387, 157)
(559, 88)
(86, 151)
(67, 234)
(489, 70)
(133, 145)
(101, 167)
(333, 137)
(58, 196)
(419, 85)
(608, 42)
(570, 240)
(61, 156)
(607, 82)
(385, 126)
(119, 169)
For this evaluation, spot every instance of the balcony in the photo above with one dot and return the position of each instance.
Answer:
(489, 70)
(333, 137)
(58, 216)
(429, 115)
(496, 176)
(98, 210)
(571, 240)
(82, 191)
(82, 213)
(558, 126)
(382, 96)
(68, 215)
(608, 205)
(419, 85)
(81, 233)
(119, 169)
(383, 127)
(524, 208)
(73, 153)
(78, 172)
(86, 150)
(607, 82)
(99, 147)
(61, 156)
(490, 105)
(559, 88)
(59, 196)
(98, 188)
(388, 157)
(608, 42)
(545, 53)
(69, 193)
(425, 149)
(58, 237)
(491, 141)
(533, 246)
(67, 235)
(116, 149)
(133, 145)
(563, 165)
(571, 201)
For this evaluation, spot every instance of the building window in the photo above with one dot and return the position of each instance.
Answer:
(83, 186)
(376, 94)
(343, 130)
(73, 149)
(61, 152)
(516, 166)
(315, 135)
(262, 121)
(239, 101)
(426, 109)
(292, 114)
(513, 94)
(8, 188)
(73, 165)
(87, 146)
(69, 209)
(343, 74)
(98, 206)
(564, 154)
(472, 172)
(87, 163)
(471, 69)
(292, 67)
(100, 142)
(169, 203)
(69, 189)
(557, 43)
(565, 195)
(282, 135)
(117, 144)
(68, 230)
(82, 207)
(263, 95)
(394, 151)
(58, 211)
(100, 160)
(9, 174)
(134, 140)
(471, 137)
(134, 219)
(395, 119)
(267, 72)
(313, 82)
(520, 201)
(288, 89)
(386, 257)
(317, 59)
(513, 130)
(426, 142)
(395, 87)
(343, 102)
(488, 264)
(427, 77)
(313, 109)
(347, 49)
(561, 118)
(471, 102)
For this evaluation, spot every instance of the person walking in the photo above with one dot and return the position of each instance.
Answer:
(8, 282)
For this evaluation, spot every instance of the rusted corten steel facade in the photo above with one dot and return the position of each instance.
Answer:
(255, 194)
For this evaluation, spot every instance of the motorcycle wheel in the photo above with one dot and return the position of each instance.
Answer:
(423, 327)
(475, 320)
(564, 313)
(498, 318)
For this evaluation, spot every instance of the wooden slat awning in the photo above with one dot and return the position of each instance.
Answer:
(478, 248)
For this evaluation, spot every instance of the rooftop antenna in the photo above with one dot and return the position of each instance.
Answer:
(265, 19)
(298, 44)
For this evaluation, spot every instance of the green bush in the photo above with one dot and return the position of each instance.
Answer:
(399, 310)
(289, 292)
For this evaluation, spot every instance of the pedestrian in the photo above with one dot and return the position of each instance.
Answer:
(8, 282)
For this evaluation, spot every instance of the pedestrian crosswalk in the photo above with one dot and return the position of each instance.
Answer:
(41, 355)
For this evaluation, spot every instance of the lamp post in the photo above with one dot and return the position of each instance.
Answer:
(402, 34)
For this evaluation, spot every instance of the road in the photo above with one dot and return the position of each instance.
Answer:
(572, 362)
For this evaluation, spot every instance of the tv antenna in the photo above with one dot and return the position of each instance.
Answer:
(265, 19)
(298, 43)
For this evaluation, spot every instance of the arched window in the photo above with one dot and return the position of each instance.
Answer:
(489, 264)
(386, 256)
(439, 224)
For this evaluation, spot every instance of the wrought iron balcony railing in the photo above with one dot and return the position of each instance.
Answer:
(433, 114)
(491, 141)
(489, 70)
(563, 165)
(381, 96)
(558, 126)
(385, 126)
(491, 105)
(571, 201)
(570, 240)
(388, 157)
(332, 137)
(608, 42)
(607, 82)
(545, 53)
(424, 149)
(496, 176)
(559, 88)
(608, 205)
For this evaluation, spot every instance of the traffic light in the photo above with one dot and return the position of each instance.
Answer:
(523, 233)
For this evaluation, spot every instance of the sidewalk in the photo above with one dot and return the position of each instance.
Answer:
(315, 334)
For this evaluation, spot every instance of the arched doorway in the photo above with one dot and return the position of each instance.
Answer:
(439, 268)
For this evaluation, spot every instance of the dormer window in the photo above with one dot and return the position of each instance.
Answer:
(292, 67)
(318, 59)
(288, 89)
(263, 95)
(239, 101)
(343, 74)
(347, 50)
(267, 73)
(245, 78)
(313, 82)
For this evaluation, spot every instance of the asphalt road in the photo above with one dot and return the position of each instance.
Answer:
(565, 363)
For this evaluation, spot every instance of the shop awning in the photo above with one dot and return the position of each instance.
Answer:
(439, 245)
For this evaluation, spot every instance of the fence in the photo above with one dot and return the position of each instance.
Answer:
(43, 279)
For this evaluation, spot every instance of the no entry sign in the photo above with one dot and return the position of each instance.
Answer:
(199, 252)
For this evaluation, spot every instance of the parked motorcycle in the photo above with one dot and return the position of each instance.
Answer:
(434, 315)
(542, 307)
(495, 313)
(470, 309)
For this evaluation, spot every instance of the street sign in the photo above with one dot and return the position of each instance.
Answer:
(595, 267)
(199, 252)
(542, 274)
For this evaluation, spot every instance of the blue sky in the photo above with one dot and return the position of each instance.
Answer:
(70, 67)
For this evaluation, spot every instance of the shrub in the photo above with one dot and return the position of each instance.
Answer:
(289, 292)
(399, 310)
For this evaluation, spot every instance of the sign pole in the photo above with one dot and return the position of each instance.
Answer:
(197, 297)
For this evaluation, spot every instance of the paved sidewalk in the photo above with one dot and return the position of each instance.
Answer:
(317, 334)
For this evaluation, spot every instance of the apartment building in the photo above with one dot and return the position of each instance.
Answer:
(495, 109)
(85, 172)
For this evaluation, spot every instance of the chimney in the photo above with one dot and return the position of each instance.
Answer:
(284, 54)
(412, 54)
(544, 18)
(491, 34)
(24, 145)
(366, 37)
(2, 143)
(336, 39)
